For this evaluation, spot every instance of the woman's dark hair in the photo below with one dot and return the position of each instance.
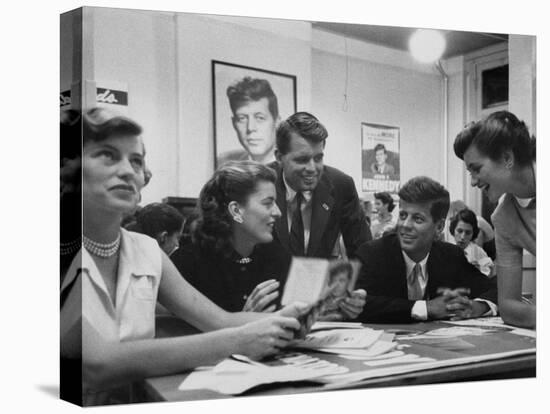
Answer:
(386, 199)
(467, 216)
(494, 135)
(156, 218)
(233, 181)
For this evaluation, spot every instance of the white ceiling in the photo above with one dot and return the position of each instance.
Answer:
(458, 42)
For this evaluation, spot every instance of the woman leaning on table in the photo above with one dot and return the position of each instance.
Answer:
(499, 153)
(110, 289)
(231, 259)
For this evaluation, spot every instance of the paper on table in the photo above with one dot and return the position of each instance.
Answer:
(399, 360)
(387, 355)
(378, 348)
(495, 321)
(340, 338)
(235, 377)
(318, 326)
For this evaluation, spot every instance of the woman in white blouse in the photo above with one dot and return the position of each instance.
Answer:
(111, 287)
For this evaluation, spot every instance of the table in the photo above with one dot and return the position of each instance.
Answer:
(520, 364)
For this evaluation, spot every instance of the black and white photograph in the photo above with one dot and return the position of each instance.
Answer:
(249, 103)
(202, 154)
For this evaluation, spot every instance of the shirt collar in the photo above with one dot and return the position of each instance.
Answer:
(291, 194)
(132, 262)
(410, 263)
(528, 202)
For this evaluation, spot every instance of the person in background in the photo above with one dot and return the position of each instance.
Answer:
(162, 222)
(500, 155)
(380, 166)
(384, 221)
(255, 117)
(486, 234)
(109, 292)
(367, 209)
(464, 228)
(317, 202)
(410, 276)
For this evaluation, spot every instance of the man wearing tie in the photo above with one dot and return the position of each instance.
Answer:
(410, 276)
(318, 202)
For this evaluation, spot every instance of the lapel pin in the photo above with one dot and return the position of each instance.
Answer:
(326, 207)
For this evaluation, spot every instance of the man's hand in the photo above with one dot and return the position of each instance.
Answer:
(464, 308)
(262, 295)
(455, 305)
(352, 307)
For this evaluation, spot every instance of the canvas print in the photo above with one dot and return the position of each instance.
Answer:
(177, 240)
(248, 105)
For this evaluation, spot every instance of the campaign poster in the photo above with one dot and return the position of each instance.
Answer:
(380, 158)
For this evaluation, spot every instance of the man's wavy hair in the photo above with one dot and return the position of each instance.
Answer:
(233, 181)
(420, 190)
(250, 90)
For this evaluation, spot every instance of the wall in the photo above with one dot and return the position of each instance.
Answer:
(384, 87)
(165, 61)
(137, 48)
(242, 41)
(522, 61)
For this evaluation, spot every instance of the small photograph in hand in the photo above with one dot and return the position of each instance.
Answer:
(342, 276)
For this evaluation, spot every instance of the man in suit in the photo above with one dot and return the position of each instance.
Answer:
(317, 202)
(410, 276)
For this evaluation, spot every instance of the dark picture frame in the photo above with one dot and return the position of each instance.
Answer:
(224, 74)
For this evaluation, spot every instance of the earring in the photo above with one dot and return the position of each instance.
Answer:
(238, 219)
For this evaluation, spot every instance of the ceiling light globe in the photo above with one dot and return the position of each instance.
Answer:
(427, 45)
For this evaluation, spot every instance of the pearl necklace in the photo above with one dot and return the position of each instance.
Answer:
(244, 260)
(70, 247)
(101, 249)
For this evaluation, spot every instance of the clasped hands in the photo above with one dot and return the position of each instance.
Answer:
(455, 304)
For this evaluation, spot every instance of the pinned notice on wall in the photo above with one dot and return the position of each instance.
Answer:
(108, 94)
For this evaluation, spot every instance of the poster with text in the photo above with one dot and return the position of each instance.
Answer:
(380, 158)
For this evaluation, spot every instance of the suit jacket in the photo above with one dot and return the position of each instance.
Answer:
(335, 209)
(383, 276)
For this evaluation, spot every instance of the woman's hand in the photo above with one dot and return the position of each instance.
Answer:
(304, 313)
(352, 307)
(266, 336)
(262, 295)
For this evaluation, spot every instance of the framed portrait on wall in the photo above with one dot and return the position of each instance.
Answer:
(380, 158)
(248, 104)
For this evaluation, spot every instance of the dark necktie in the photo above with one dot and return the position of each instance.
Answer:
(297, 228)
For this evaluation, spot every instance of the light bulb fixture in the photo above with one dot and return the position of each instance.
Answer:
(427, 45)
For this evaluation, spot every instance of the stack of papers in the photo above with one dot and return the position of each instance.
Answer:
(236, 375)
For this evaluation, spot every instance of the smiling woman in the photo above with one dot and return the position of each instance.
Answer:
(499, 153)
(231, 259)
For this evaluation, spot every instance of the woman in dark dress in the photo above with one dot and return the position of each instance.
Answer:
(231, 259)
